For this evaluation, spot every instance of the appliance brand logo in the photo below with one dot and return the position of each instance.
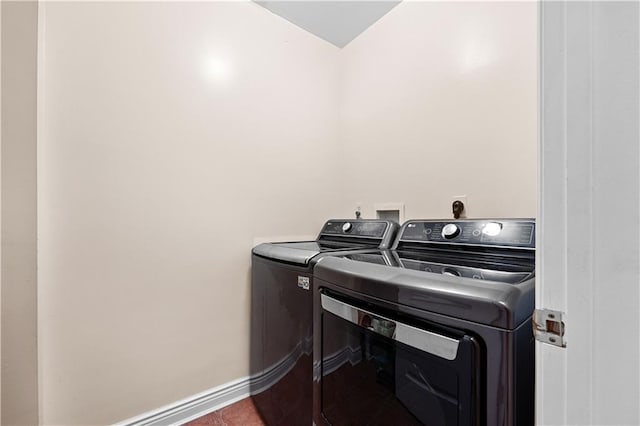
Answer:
(303, 282)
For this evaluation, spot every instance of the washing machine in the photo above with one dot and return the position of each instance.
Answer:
(439, 335)
(281, 314)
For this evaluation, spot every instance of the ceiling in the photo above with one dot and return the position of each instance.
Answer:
(337, 22)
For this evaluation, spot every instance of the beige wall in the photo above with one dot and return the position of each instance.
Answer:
(172, 135)
(447, 90)
(0, 213)
(168, 130)
(18, 318)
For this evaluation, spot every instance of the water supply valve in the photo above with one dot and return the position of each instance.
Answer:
(458, 209)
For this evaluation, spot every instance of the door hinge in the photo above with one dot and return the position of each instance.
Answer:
(548, 327)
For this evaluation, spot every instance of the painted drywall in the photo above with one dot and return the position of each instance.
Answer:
(170, 138)
(439, 99)
(18, 315)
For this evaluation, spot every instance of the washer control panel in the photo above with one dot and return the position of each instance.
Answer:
(491, 232)
(359, 228)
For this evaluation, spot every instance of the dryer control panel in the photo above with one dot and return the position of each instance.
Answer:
(481, 232)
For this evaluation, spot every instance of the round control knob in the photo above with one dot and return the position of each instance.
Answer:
(450, 231)
(347, 227)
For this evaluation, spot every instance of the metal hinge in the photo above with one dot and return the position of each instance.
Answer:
(548, 327)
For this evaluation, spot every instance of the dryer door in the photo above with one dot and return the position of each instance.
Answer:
(377, 369)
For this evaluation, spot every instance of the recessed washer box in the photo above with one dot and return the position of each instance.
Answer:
(390, 211)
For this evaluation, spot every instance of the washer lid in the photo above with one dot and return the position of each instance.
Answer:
(301, 253)
(492, 302)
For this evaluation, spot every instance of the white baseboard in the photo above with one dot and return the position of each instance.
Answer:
(206, 402)
(193, 407)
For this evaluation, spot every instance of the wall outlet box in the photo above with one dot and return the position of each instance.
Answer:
(390, 211)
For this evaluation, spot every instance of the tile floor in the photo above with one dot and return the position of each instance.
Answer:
(242, 413)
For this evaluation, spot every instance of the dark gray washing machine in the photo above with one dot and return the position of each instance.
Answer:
(440, 336)
(282, 319)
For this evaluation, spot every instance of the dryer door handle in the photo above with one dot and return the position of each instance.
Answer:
(424, 340)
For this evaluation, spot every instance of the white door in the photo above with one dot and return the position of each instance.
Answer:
(589, 231)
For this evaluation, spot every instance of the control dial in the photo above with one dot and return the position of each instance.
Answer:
(450, 231)
(347, 227)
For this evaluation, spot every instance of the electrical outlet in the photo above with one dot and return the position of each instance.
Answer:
(462, 198)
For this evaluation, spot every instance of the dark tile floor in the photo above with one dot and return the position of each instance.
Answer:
(242, 413)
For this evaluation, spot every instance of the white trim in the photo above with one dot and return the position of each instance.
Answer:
(194, 406)
(588, 152)
(206, 402)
